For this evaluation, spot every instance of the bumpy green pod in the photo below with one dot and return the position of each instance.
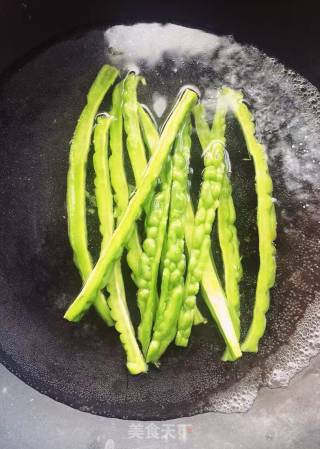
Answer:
(214, 295)
(201, 240)
(121, 316)
(266, 220)
(102, 271)
(155, 228)
(117, 299)
(119, 178)
(156, 213)
(227, 233)
(151, 137)
(172, 285)
(76, 183)
(212, 291)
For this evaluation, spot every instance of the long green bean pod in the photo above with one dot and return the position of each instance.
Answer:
(117, 299)
(76, 183)
(119, 178)
(201, 241)
(266, 220)
(101, 272)
(172, 285)
(155, 227)
(227, 232)
(212, 291)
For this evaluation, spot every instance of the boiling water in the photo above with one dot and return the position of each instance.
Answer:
(286, 110)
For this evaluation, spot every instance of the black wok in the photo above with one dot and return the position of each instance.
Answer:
(83, 365)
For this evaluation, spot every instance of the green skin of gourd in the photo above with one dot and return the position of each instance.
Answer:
(266, 220)
(113, 250)
(227, 233)
(117, 298)
(212, 291)
(76, 183)
(172, 286)
(201, 241)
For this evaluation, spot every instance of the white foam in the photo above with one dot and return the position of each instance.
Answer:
(159, 104)
(302, 346)
(150, 42)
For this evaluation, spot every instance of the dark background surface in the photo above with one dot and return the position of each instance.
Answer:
(288, 30)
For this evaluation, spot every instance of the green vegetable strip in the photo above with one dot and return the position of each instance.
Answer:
(76, 183)
(137, 155)
(212, 291)
(172, 286)
(101, 272)
(118, 176)
(135, 145)
(102, 178)
(229, 244)
(198, 317)
(227, 232)
(156, 216)
(156, 224)
(202, 127)
(151, 138)
(116, 161)
(213, 294)
(201, 241)
(266, 220)
(117, 299)
(120, 313)
(149, 131)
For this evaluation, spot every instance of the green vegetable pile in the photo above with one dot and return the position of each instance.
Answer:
(171, 258)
